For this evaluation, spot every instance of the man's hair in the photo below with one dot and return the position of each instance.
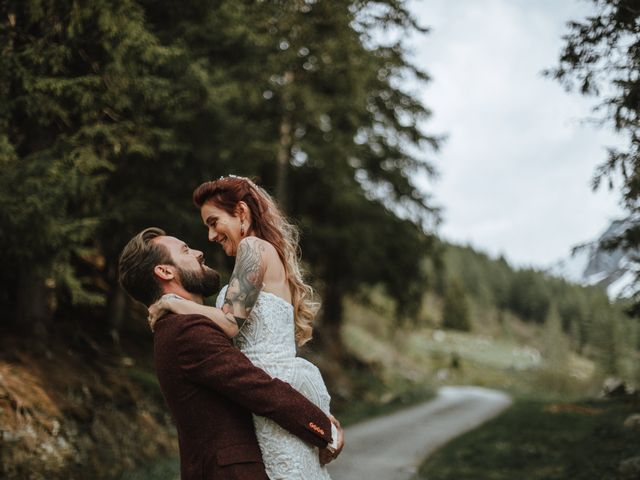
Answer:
(137, 262)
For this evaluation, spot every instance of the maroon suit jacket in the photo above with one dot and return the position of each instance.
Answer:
(211, 389)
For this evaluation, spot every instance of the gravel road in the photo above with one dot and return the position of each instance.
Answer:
(393, 447)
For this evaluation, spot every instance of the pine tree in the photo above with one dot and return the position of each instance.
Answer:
(556, 345)
(601, 58)
(77, 82)
(455, 309)
(113, 112)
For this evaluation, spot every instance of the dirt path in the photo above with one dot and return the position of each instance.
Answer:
(392, 447)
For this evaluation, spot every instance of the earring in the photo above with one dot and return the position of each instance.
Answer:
(242, 229)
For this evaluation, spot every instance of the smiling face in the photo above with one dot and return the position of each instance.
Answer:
(188, 267)
(224, 228)
(181, 254)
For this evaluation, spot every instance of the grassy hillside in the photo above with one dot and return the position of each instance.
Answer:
(70, 409)
(511, 359)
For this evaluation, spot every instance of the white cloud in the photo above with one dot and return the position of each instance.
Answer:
(517, 166)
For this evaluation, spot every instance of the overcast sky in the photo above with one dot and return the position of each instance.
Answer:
(516, 169)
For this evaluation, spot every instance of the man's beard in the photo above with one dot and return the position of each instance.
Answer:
(205, 281)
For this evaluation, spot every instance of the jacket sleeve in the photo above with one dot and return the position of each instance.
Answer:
(207, 357)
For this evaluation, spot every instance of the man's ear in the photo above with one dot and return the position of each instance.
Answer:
(164, 272)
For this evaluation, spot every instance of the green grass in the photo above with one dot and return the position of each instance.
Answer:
(476, 349)
(162, 469)
(541, 440)
(385, 381)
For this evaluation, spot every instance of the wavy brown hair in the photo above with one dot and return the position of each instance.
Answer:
(270, 224)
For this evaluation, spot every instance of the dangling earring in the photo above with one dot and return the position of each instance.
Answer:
(242, 228)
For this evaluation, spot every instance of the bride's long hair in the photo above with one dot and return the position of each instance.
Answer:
(270, 224)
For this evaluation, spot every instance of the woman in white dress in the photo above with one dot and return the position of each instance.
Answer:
(267, 308)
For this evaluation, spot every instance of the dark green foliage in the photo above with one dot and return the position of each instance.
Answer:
(593, 323)
(487, 280)
(526, 292)
(529, 295)
(80, 87)
(601, 57)
(556, 348)
(455, 310)
(349, 172)
(112, 112)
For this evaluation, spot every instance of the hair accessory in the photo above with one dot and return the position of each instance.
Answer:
(239, 177)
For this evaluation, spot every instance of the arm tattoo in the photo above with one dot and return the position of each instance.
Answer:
(245, 283)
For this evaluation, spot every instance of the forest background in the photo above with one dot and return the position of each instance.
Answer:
(112, 112)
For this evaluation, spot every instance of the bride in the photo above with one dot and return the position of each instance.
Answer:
(267, 307)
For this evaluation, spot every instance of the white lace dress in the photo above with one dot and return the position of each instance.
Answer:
(268, 339)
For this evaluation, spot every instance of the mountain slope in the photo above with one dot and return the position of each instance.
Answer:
(616, 270)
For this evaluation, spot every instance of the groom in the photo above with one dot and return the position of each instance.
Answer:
(210, 386)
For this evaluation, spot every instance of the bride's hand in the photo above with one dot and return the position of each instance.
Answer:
(157, 310)
(328, 455)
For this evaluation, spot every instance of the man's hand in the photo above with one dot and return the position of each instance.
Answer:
(328, 454)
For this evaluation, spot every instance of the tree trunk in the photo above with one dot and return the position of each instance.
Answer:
(35, 301)
(284, 144)
(331, 331)
(117, 307)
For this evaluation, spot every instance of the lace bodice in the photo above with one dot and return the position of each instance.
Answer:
(268, 339)
(269, 333)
